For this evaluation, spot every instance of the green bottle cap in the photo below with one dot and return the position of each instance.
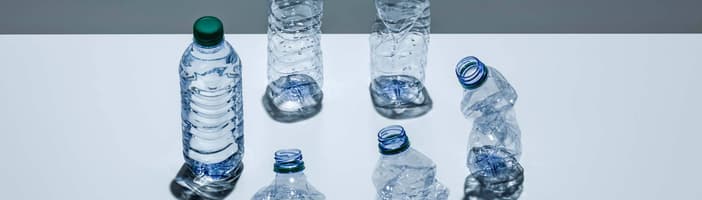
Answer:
(208, 31)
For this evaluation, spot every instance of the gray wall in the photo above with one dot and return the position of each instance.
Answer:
(354, 16)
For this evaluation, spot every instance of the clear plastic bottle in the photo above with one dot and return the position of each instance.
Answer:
(290, 182)
(403, 173)
(399, 44)
(494, 144)
(485, 89)
(294, 59)
(212, 115)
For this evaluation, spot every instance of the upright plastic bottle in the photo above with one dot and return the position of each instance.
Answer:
(294, 60)
(290, 182)
(212, 115)
(402, 172)
(399, 44)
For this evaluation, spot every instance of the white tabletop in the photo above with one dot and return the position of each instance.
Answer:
(602, 116)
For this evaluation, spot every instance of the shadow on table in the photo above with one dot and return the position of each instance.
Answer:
(483, 186)
(188, 187)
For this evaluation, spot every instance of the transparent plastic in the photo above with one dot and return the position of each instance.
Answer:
(499, 130)
(485, 89)
(212, 120)
(403, 173)
(399, 44)
(494, 144)
(503, 181)
(290, 182)
(295, 72)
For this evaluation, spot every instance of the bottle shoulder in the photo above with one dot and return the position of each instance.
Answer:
(289, 186)
(197, 52)
(409, 158)
(223, 54)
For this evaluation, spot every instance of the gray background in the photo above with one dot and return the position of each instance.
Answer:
(354, 16)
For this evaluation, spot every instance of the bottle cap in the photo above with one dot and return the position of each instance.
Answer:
(208, 31)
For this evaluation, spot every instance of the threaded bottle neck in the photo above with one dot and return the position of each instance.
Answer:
(471, 72)
(288, 161)
(392, 140)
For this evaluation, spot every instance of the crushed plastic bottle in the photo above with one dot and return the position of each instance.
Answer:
(295, 68)
(290, 182)
(494, 144)
(403, 173)
(499, 130)
(399, 45)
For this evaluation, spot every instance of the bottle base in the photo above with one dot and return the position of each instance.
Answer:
(481, 188)
(399, 99)
(293, 98)
(188, 186)
(502, 179)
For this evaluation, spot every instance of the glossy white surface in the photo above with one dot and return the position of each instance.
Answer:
(602, 116)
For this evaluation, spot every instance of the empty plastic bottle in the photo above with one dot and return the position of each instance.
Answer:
(399, 44)
(494, 144)
(290, 182)
(294, 60)
(403, 173)
(212, 115)
(485, 89)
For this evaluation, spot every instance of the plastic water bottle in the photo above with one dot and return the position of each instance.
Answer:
(399, 44)
(489, 98)
(210, 87)
(290, 182)
(485, 89)
(402, 172)
(494, 144)
(501, 182)
(294, 59)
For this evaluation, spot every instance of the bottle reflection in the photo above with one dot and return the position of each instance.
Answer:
(187, 186)
(504, 182)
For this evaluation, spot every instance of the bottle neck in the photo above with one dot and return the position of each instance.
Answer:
(208, 49)
(392, 140)
(471, 72)
(288, 161)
